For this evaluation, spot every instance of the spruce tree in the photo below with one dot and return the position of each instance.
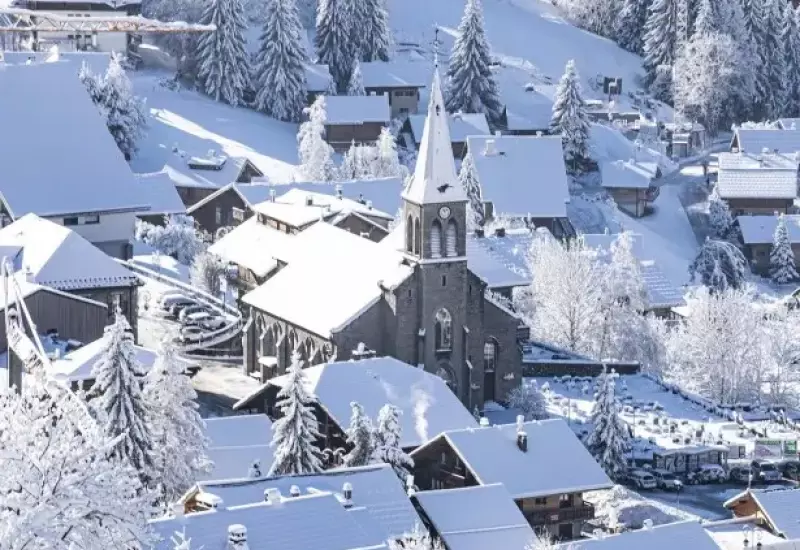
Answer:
(629, 26)
(755, 23)
(118, 400)
(374, 31)
(719, 215)
(316, 162)
(361, 437)
(388, 161)
(716, 257)
(468, 176)
(334, 43)
(781, 258)
(280, 76)
(660, 37)
(791, 53)
(295, 433)
(224, 64)
(471, 87)
(388, 436)
(570, 119)
(356, 84)
(707, 21)
(775, 59)
(608, 440)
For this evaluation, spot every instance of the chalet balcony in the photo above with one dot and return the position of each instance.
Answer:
(560, 515)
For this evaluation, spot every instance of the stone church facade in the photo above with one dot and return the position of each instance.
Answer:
(438, 317)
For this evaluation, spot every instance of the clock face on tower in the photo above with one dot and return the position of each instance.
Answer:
(444, 212)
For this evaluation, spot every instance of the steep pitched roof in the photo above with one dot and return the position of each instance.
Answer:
(756, 140)
(628, 174)
(780, 506)
(757, 175)
(356, 109)
(160, 193)
(434, 180)
(250, 193)
(761, 229)
(689, 534)
(384, 193)
(394, 74)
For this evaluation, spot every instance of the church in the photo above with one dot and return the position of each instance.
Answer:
(411, 296)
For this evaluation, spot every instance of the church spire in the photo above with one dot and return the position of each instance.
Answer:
(434, 179)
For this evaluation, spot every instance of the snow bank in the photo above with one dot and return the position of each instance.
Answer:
(632, 508)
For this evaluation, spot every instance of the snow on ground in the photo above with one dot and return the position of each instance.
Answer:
(621, 505)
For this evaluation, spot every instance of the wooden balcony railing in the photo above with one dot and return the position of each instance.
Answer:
(560, 515)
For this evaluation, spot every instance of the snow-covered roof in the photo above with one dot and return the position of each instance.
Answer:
(207, 169)
(757, 161)
(780, 506)
(307, 522)
(28, 288)
(522, 175)
(689, 534)
(113, 4)
(160, 193)
(628, 174)
(395, 74)
(756, 140)
(58, 257)
(318, 77)
(238, 431)
(376, 489)
(500, 261)
(97, 62)
(434, 179)
(384, 193)
(757, 183)
(789, 123)
(332, 278)
(62, 159)
(556, 461)
(761, 229)
(235, 444)
(250, 193)
(476, 518)
(729, 535)
(356, 109)
(461, 126)
(232, 463)
(429, 407)
(299, 207)
(254, 246)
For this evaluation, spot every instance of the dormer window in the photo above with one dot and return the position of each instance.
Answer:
(443, 330)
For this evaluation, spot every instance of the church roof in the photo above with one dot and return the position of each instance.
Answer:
(434, 180)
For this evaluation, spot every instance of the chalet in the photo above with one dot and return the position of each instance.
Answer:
(686, 534)
(758, 183)
(383, 193)
(469, 518)
(631, 184)
(542, 464)
(400, 81)
(355, 119)
(757, 235)
(238, 448)
(228, 206)
(756, 140)
(373, 383)
(775, 510)
(85, 184)
(523, 177)
(684, 139)
(161, 195)
(54, 256)
(461, 126)
(536, 119)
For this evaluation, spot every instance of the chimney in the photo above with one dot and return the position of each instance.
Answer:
(500, 232)
(237, 535)
(338, 191)
(369, 205)
(497, 133)
(489, 149)
(479, 232)
(484, 422)
(294, 491)
(272, 496)
(272, 195)
(734, 149)
(29, 274)
(522, 436)
(347, 493)
(309, 201)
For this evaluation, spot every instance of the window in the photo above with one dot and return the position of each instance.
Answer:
(451, 238)
(417, 238)
(436, 239)
(409, 235)
(444, 280)
(95, 218)
(218, 215)
(238, 214)
(540, 501)
(566, 501)
(490, 355)
(443, 330)
(71, 221)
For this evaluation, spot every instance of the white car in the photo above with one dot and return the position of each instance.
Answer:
(196, 318)
(214, 323)
(191, 334)
(642, 479)
(189, 310)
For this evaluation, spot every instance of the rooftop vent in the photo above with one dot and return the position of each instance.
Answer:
(338, 191)
(500, 232)
(522, 436)
(539, 133)
(294, 491)
(490, 149)
(347, 493)
(484, 422)
(237, 535)
(309, 201)
(369, 205)
(272, 495)
(361, 198)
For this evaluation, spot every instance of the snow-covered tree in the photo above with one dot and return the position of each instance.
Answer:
(630, 24)
(117, 399)
(359, 162)
(178, 430)
(387, 164)
(790, 37)
(781, 258)
(755, 24)
(361, 437)
(719, 215)
(356, 84)
(93, 82)
(570, 119)
(527, 398)
(597, 16)
(625, 284)
(295, 433)
(178, 237)
(335, 43)
(781, 351)
(719, 265)
(418, 539)
(60, 489)
(181, 542)
(280, 76)
(708, 19)
(471, 87)
(608, 440)
(476, 214)
(374, 31)
(316, 162)
(775, 60)
(206, 271)
(660, 36)
(388, 434)
(224, 66)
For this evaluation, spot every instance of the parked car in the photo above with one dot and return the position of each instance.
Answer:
(191, 309)
(667, 480)
(791, 470)
(176, 309)
(765, 471)
(740, 474)
(214, 323)
(708, 473)
(191, 334)
(169, 300)
(195, 318)
(642, 479)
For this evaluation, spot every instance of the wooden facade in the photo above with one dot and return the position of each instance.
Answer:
(340, 136)
(743, 207)
(758, 256)
(125, 296)
(227, 209)
(635, 202)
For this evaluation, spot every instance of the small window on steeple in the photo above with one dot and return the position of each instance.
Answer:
(409, 234)
(436, 239)
(451, 239)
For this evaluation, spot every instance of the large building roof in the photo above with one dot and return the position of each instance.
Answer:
(757, 176)
(395, 74)
(461, 125)
(254, 246)
(383, 193)
(356, 109)
(758, 140)
(161, 194)
(688, 535)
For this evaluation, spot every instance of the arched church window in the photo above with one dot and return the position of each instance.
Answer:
(451, 238)
(445, 372)
(409, 234)
(443, 330)
(417, 237)
(436, 239)
(490, 350)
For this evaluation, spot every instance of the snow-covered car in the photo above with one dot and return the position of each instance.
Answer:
(196, 318)
(176, 309)
(740, 474)
(642, 479)
(765, 471)
(191, 309)
(709, 473)
(667, 480)
(213, 323)
(191, 334)
(168, 300)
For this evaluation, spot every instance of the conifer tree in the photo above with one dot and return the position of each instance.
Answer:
(471, 87)
(224, 65)
(754, 12)
(316, 162)
(295, 433)
(719, 215)
(629, 26)
(280, 76)
(476, 215)
(361, 436)
(356, 84)
(660, 37)
(775, 58)
(781, 258)
(707, 21)
(388, 161)
(374, 31)
(791, 52)
(717, 257)
(570, 119)
(388, 437)
(608, 440)
(334, 41)
(118, 400)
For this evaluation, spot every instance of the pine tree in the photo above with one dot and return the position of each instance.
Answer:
(629, 31)
(717, 257)
(295, 433)
(316, 162)
(570, 119)
(707, 21)
(206, 271)
(608, 440)
(471, 87)
(334, 42)
(356, 84)
(719, 215)
(775, 58)
(361, 436)
(660, 37)
(781, 258)
(388, 162)
(374, 31)
(280, 76)
(791, 52)
(92, 82)
(388, 437)
(117, 398)
(476, 216)
(224, 64)
(754, 12)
